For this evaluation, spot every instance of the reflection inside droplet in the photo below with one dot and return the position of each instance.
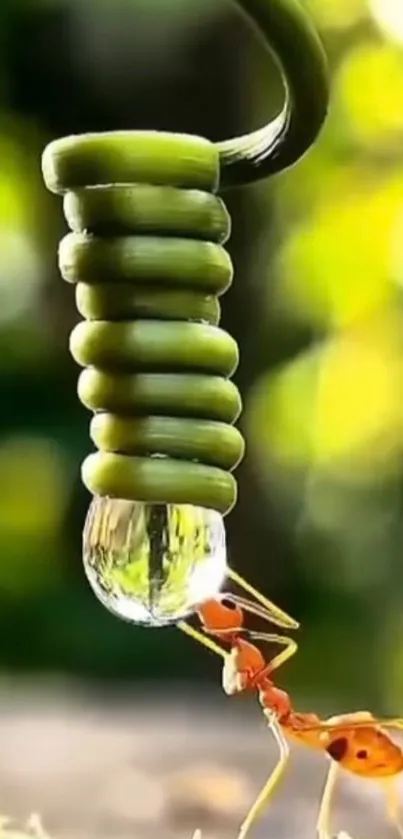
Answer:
(152, 564)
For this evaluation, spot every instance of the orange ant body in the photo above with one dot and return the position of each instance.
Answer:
(357, 742)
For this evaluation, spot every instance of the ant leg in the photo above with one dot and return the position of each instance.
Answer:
(392, 804)
(202, 639)
(274, 612)
(322, 824)
(270, 613)
(290, 648)
(271, 783)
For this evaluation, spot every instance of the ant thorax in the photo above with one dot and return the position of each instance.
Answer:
(242, 665)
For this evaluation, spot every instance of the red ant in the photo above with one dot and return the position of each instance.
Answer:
(357, 742)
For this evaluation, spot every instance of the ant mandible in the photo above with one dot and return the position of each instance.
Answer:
(356, 742)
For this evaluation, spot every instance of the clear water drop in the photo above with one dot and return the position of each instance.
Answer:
(152, 564)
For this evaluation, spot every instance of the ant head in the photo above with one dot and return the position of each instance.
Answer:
(221, 615)
(366, 751)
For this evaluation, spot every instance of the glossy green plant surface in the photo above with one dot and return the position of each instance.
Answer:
(149, 265)
(289, 35)
(146, 254)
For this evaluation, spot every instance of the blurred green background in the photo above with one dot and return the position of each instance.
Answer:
(316, 306)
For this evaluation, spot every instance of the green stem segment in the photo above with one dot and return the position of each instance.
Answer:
(289, 35)
(146, 255)
(149, 266)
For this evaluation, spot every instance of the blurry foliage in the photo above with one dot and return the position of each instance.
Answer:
(33, 500)
(318, 315)
(367, 92)
(388, 16)
(329, 423)
(341, 14)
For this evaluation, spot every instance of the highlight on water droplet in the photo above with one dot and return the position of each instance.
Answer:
(152, 564)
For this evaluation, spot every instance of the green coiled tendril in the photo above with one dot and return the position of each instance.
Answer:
(146, 256)
(149, 266)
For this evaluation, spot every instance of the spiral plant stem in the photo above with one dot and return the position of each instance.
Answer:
(146, 255)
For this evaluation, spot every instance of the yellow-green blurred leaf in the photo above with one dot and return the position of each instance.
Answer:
(336, 268)
(32, 485)
(337, 406)
(388, 15)
(338, 14)
(367, 94)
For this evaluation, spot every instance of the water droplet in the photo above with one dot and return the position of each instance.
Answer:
(152, 564)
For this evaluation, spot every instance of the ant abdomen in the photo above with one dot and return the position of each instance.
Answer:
(368, 751)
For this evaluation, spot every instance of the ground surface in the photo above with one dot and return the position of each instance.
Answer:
(108, 768)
